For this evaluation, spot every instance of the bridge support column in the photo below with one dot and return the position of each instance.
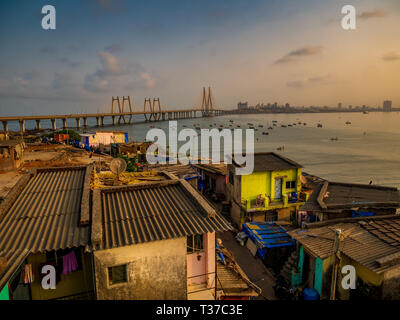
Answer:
(5, 126)
(114, 120)
(102, 121)
(22, 126)
(98, 121)
(65, 124)
(38, 126)
(78, 122)
(85, 123)
(54, 124)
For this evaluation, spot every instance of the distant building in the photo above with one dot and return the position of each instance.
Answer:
(243, 105)
(387, 106)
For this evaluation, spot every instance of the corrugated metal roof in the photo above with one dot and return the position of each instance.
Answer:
(271, 161)
(150, 212)
(45, 215)
(338, 195)
(360, 244)
(13, 260)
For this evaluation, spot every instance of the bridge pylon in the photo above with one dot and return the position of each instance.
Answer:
(154, 107)
(207, 103)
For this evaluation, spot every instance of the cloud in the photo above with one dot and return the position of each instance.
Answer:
(298, 53)
(378, 13)
(308, 81)
(115, 74)
(391, 56)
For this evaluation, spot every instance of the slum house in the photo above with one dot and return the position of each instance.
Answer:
(186, 172)
(272, 192)
(44, 221)
(271, 243)
(131, 149)
(370, 244)
(11, 154)
(103, 139)
(333, 200)
(154, 241)
(213, 177)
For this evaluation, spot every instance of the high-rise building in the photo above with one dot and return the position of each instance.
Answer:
(243, 105)
(387, 106)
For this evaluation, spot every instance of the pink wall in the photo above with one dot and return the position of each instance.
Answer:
(205, 265)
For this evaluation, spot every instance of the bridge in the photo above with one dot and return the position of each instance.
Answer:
(152, 111)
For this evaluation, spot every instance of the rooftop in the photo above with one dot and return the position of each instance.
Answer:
(335, 195)
(46, 210)
(154, 211)
(270, 161)
(372, 242)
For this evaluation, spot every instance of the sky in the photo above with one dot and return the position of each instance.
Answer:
(288, 51)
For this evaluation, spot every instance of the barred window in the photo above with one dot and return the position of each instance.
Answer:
(195, 243)
(290, 184)
(117, 274)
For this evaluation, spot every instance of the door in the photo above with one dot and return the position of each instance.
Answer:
(278, 188)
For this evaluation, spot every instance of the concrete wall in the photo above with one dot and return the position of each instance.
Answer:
(391, 284)
(197, 270)
(156, 270)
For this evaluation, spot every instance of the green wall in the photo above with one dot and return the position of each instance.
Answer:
(4, 293)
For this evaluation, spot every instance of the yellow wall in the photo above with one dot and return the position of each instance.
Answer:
(264, 183)
(74, 283)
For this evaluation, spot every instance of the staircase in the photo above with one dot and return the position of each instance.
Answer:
(290, 264)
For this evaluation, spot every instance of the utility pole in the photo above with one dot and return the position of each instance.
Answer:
(336, 259)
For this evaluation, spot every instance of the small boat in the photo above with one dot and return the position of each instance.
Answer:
(348, 122)
(274, 121)
(265, 133)
(283, 126)
(365, 112)
(274, 124)
(230, 120)
(304, 123)
(334, 139)
(319, 125)
(289, 125)
(270, 128)
(260, 126)
(238, 125)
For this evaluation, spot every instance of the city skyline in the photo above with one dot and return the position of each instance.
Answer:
(255, 51)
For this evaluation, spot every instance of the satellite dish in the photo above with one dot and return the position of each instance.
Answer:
(118, 166)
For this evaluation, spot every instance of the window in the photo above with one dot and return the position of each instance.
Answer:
(195, 243)
(117, 274)
(231, 178)
(290, 184)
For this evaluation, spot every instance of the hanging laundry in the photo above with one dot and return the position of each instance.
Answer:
(28, 274)
(69, 263)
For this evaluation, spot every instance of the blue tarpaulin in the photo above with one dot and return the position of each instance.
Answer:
(267, 235)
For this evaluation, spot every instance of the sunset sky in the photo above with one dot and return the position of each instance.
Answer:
(251, 50)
